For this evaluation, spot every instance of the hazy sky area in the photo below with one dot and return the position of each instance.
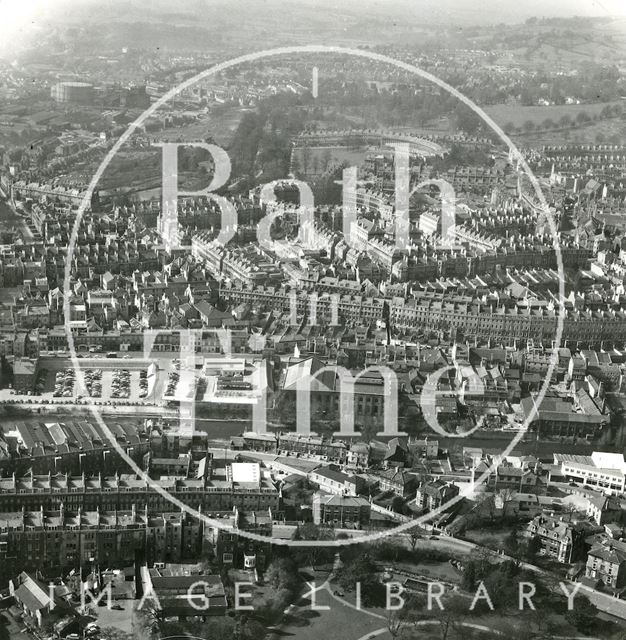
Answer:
(20, 19)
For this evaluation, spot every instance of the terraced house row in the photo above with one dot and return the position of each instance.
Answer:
(72, 447)
(511, 324)
(216, 491)
(53, 539)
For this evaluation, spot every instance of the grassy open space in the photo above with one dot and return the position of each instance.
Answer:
(493, 538)
(345, 621)
(611, 131)
(518, 114)
(220, 125)
(319, 157)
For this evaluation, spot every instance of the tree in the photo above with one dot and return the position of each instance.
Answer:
(506, 496)
(511, 544)
(388, 551)
(583, 615)
(501, 582)
(397, 504)
(145, 622)
(315, 554)
(513, 547)
(452, 617)
(582, 117)
(533, 548)
(570, 510)
(363, 570)
(113, 633)
(295, 166)
(466, 120)
(394, 623)
(214, 627)
(413, 536)
(469, 578)
(540, 623)
(274, 606)
(512, 630)
(305, 159)
(486, 505)
(565, 121)
(282, 573)
(327, 157)
(310, 531)
(286, 408)
(252, 630)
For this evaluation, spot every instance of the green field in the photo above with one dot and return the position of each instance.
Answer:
(604, 131)
(219, 125)
(518, 115)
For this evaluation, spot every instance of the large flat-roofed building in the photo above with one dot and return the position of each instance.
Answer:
(564, 416)
(601, 470)
(184, 590)
(244, 472)
(234, 384)
(368, 393)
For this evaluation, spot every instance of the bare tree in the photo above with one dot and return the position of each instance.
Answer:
(486, 505)
(413, 535)
(394, 623)
(451, 619)
(570, 509)
(145, 622)
(506, 495)
(305, 158)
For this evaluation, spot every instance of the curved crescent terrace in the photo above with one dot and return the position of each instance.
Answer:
(418, 145)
